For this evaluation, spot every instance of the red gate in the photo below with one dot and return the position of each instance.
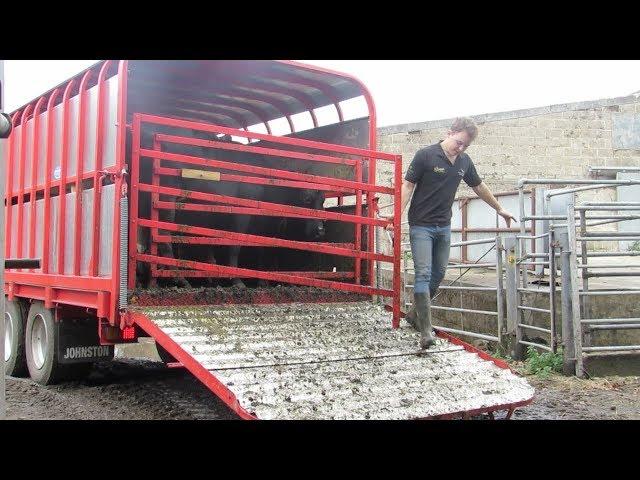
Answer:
(223, 170)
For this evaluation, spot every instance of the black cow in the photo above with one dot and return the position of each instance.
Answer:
(307, 229)
(263, 258)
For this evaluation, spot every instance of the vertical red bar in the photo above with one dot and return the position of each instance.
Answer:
(119, 190)
(397, 239)
(372, 181)
(47, 179)
(62, 190)
(133, 197)
(35, 150)
(94, 262)
(9, 189)
(82, 119)
(21, 173)
(155, 180)
(357, 226)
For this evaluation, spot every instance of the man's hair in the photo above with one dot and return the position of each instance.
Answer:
(465, 124)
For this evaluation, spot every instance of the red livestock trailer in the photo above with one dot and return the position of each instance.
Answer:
(161, 203)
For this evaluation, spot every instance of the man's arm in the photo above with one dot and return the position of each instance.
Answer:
(405, 193)
(485, 194)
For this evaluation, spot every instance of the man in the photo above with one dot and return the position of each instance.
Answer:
(434, 174)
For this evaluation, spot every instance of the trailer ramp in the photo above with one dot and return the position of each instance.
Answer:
(329, 361)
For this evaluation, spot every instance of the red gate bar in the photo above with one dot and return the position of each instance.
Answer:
(175, 122)
(227, 241)
(276, 207)
(246, 206)
(200, 207)
(226, 177)
(226, 165)
(254, 149)
(248, 273)
(266, 241)
(203, 274)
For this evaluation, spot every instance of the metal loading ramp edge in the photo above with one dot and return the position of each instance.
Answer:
(329, 361)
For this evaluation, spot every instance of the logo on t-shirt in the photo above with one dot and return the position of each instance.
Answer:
(438, 169)
(461, 172)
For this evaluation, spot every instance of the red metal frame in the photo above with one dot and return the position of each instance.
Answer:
(62, 190)
(120, 188)
(82, 111)
(54, 276)
(21, 173)
(89, 291)
(97, 176)
(313, 157)
(47, 181)
(9, 187)
(35, 151)
(230, 204)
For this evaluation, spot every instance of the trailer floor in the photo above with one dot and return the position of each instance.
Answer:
(333, 361)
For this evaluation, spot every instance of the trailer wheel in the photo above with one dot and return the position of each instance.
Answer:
(165, 356)
(15, 361)
(40, 346)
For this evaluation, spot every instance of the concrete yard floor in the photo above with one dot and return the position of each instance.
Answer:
(144, 389)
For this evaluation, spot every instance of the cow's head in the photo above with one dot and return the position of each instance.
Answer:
(314, 199)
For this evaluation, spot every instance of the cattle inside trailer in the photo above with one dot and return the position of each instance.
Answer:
(158, 208)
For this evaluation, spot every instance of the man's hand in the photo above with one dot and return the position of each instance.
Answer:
(507, 216)
(389, 227)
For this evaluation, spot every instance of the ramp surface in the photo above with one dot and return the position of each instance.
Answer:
(333, 361)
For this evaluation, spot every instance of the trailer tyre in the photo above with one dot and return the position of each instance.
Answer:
(15, 361)
(40, 346)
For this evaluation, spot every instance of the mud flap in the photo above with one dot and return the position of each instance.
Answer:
(78, 343)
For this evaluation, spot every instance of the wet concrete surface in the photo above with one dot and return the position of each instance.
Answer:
(137, 386)
(136, 389)
(571, 398)
(125, 389)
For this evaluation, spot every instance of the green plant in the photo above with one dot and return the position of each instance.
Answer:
(636, 246)
(501, 354)
(543, 364)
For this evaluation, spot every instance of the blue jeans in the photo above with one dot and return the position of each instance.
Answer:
(430, 251)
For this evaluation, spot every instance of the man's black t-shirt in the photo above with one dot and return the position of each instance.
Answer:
(437, 181)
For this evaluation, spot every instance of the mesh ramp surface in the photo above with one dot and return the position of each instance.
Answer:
(334, 361)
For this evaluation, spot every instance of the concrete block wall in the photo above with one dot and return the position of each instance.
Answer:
(557, 141)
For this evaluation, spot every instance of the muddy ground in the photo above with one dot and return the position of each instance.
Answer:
(144, 389)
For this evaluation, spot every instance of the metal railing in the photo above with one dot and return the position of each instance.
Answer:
(568, 272)
(583, 324)
(498, 313)
(568, 241)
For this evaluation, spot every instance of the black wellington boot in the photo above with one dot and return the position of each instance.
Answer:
(423, 316)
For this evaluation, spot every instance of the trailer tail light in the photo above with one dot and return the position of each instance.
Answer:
(129, 333)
